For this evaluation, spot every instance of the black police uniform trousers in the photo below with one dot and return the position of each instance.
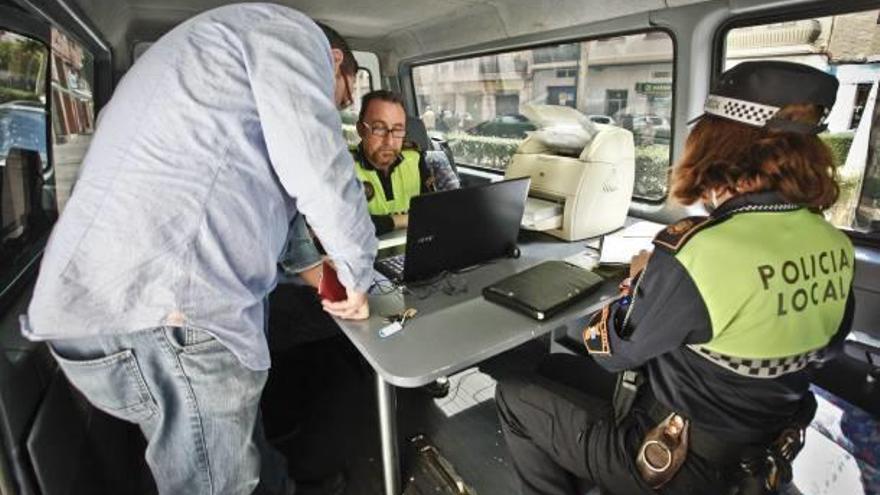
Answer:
(560, 430)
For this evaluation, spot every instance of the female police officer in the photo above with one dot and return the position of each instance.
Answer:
(719, 327)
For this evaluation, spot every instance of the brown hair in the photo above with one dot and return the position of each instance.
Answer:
(349, 65)
(727, 155)
(381, 95)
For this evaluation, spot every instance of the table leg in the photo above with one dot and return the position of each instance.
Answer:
(387, 399)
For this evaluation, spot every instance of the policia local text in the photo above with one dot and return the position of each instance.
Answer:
(823, 269)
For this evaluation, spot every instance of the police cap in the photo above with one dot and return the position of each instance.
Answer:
(753, 92)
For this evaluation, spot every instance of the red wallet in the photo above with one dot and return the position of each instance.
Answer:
(330, 288)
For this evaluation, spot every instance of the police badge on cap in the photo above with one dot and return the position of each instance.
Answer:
(752, 93)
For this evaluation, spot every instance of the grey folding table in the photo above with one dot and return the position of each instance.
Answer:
(454, 329)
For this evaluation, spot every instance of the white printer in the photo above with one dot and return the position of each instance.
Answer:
(575, 196)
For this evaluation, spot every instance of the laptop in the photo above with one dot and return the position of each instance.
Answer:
(544, 289)
(449, 230)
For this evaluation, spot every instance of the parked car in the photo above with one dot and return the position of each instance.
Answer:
(647, 129)
(508, 126)
(601, 119)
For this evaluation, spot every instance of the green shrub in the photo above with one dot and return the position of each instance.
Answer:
(482, 151)
(9, 94)
(652, 171)
(349, 132)
(872, 188)
(839, 143)
(652, 161)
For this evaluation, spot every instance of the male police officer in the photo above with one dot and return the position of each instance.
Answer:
(391, 175)
(152, 286)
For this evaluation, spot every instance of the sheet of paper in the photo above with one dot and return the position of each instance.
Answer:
(622, 249)
(393, 238)
(586, 259)
(642, 228)
(621, 246)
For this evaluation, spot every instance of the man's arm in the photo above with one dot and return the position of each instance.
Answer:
(291, 73)
(383, 223)
(300, 256)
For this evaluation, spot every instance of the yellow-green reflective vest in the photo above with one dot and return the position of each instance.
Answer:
(405, 181)
(775, 283)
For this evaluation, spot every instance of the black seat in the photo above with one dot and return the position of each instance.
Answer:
(863, 342)
(864, 347)
(417, 135)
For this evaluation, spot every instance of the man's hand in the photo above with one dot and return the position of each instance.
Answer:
(355, 307)
(639, 262)
(401, 220)
(312, 276)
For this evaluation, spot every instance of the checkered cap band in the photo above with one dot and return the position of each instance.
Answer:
(760, 368)
(743, 111)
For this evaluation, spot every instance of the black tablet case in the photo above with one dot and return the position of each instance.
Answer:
(543, 289)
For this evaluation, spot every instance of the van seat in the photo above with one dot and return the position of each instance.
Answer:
(417, 135)
(842, 450)
(864, 347)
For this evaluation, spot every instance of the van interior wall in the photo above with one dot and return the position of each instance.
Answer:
(424, 26)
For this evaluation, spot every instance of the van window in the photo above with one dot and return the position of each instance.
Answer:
(848, 46)
(475, 103)
(363, 85)
(26, 177)
(72, 110)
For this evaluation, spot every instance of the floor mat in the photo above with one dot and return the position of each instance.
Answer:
(842, 450)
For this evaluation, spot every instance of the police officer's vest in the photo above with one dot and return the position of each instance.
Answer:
(775, 284)
(405, 182)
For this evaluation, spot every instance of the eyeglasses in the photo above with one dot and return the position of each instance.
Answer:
(384, 131)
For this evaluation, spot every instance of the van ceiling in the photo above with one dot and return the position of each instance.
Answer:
(398, 29)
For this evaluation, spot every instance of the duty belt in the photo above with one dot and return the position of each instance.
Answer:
(702, 443)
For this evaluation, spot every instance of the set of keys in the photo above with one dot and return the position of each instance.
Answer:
(396, 321)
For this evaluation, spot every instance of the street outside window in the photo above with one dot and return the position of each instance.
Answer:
(476, 103)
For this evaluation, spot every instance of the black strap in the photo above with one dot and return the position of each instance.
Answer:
(625, 393)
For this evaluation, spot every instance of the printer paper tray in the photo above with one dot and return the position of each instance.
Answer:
(541, 215)
(551, 223)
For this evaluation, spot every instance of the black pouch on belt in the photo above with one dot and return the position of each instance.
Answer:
(663, 450)
(626, 392)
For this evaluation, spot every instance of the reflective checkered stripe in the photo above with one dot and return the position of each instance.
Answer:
(743, 111)
(760, 368)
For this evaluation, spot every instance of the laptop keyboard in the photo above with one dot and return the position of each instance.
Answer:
(391, 267)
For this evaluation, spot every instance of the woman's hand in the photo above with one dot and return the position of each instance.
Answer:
(638, 263)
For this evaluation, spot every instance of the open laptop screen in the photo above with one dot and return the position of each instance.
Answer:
(454, 229)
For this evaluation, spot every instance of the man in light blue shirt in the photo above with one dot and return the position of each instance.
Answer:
(151, 290)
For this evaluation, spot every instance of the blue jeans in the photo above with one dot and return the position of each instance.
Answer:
(196, 404)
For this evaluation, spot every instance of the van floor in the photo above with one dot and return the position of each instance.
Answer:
(320, 409)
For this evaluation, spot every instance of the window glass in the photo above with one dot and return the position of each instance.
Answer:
(625, 81)
(847, 46)
(72, 110)
(363, 85)
(26, 178)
